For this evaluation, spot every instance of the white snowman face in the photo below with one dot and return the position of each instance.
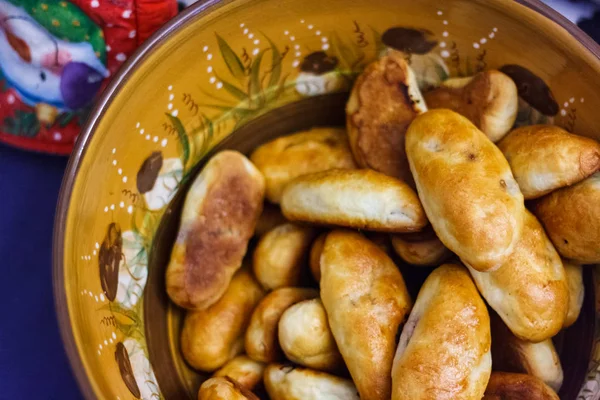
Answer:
(34, 83)
(32, 60)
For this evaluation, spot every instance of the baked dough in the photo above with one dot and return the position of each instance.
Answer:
(261, 337)
(243, 370)
(286, 382)
(420, 248)
(211, 337)
(217, 221)
(280, 257)
(306, 339)
(444, 349)
(571, 217)
(504, 385)
(529, 291)
(366, 301)
(511, 354)
(361, 198)
(488, 99)
(467, 189)
(314, 258)
(383, 102)
(574, 273)
(289, 157)
(224, 388)
(544, 158)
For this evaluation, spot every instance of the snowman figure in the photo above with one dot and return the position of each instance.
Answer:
(51, 54)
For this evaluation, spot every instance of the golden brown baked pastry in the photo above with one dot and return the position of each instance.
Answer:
(270, 217)
(224, 388)
(285, 158)
(544, 158)
(261, 336)
(383, 102)
(505, 386)
(488, 99)
(420, 248)
(243, 370)
(281, 255)
(306, 339)
(466, 187)
(358, 198)
(217, 221)
(211, 337)
(511, 354)
(574, 274)
(366, 300)
(571, 217)
(314, 259)
(286, 382)
(529, 291)
(444, 349)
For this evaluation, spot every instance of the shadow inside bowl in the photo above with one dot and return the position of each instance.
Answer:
(163, 319)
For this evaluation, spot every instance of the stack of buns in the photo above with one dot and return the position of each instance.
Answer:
(318, 308)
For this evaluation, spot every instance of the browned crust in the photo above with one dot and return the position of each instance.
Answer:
(378, 115)
(510, 386)
(261, 336)
(211, 248)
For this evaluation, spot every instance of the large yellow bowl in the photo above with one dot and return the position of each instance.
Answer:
(223, 67)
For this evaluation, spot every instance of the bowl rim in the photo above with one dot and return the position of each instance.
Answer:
(201, 7)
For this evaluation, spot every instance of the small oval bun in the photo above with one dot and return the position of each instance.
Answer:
(217, 221)
(306, 339)
(289, 157)
(314, 259)
(366, 301)
(261, 337)
(224, 388)
(420, 248)
(529, 291)
(511, 354)
(211, 337)
(467, 189)
(362, 199)
(571, 217)
(505, 385)
(576, 291)
(489, 100)
(270, 217)
(285, 382)
(444, 349)
(544, 158)
(243, 370)
(280, 257)
(383, 102)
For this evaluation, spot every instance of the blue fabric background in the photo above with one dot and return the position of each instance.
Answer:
(33, 364)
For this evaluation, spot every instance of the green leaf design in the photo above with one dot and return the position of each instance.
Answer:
(343, 52)
(183, 139)
(255, 87)
(275, 63)
(65, 118)
(233, 62)
(23, 123)
(233, 90)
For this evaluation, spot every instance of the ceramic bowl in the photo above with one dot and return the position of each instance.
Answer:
(232, 74)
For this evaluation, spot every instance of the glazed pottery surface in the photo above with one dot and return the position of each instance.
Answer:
(233, 74)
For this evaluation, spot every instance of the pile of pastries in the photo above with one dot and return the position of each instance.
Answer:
(315, 307)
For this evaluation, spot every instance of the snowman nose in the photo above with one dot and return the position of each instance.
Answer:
(79, 83)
